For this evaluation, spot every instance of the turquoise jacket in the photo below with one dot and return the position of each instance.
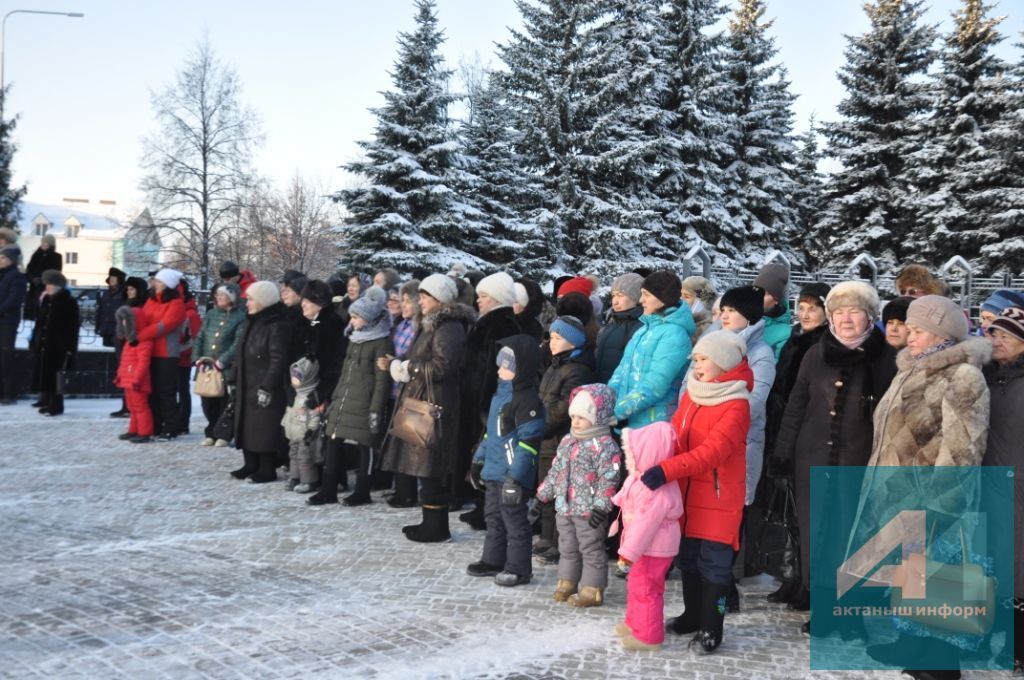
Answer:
(648, 378)
(778, 330)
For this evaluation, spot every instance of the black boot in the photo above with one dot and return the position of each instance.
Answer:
(361, 494)
(801, 601)
(895, 654)
(434, 528)
(267, 471)
(689, 621)
(1018, 636)
(713, 604)
(475, 518)
(785, 592)
(250, 465)
(733, 600)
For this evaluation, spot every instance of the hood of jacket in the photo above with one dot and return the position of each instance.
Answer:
(604, 399)
(648, 446)
(752, 333)
(536, 304)
(130, 321)
(631, 314)
(528, 358)
(454, 311)
(974, 351)
(678, 316)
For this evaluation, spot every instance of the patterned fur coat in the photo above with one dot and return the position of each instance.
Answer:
(936, 411)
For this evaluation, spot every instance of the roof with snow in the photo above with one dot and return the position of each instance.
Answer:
(61, 215)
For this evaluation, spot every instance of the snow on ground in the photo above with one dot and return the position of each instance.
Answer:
(146, 561)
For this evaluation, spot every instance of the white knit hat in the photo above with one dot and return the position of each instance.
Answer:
(725, 348)
(263, 293)
(583, 405)
(440, 287)
(169, 277)
(500, 287)
(522, 295)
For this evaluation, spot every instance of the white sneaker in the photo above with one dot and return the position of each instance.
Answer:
(220, 442)
(207, 442)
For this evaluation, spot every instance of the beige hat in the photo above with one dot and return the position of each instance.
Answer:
(938, 315)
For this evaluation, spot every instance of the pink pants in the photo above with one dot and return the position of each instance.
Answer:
(645, 599)
(141, 422)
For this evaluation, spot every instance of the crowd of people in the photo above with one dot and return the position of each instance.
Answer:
(646, 431)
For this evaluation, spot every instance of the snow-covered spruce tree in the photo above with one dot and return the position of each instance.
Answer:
(761, 194)
(810, 182)
(955, 165)
(550, 87)
(499, 191)
(405, 217)
(868, 202)
(10, 197)
(689, 184)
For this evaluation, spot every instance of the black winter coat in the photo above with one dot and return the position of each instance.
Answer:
(55, 339)
(612, 341)
(435, 357)
(40, 261)
(786, 371)
(479, 371)
(261, 363)
(106, 324)
(12, 295)
(565, 374)
(361, 390)
(324, 341)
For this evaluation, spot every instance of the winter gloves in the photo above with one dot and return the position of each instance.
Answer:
(262, 398)
(654, 478)
(597, 518)
(400, 371)
(374, 423)
(533, 507)
(511, 492)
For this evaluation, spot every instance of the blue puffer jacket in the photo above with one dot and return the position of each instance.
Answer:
(13, 288)
(515, 421)
(651, 372)
(761, 358)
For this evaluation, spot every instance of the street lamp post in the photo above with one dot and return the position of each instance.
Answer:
(3, 43)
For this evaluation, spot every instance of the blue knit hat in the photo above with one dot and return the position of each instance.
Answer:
(1001, 299)
(570, 328)
(368, 308)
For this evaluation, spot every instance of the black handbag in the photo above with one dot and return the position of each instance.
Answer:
(69, 381)
(224, 428)
(777, 547)
(318, 443)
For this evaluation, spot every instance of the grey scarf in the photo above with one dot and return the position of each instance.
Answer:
(377, 329)
(592, 432)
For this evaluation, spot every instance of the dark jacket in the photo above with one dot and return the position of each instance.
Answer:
(40, 261)
(529, 319)
(110, 302)
(612, 341)
(324, 341)
(435, 357)
(361, 390)
(1005, 434)
(12, 295)
(515, 421)
(479, 372)
(565, 374)
(262, 363)
(786, 370)
(55, 338)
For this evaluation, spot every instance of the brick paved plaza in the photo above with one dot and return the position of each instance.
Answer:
(149, 561)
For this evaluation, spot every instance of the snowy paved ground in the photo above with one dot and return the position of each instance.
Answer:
(121, 560)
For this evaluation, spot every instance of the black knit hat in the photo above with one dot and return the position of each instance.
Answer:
(577, 305)
(116, 273)
(747, 300)
(665, 286)
(816, 291)
(296, 283)
(317, 292)
(229, 269)
(896, 309)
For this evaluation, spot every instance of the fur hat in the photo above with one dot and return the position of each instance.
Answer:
(141, 290)
(665, 286)
(9, 235)
(1001, 299)
(703, 289)
(228, 269)
(296, 283)
(578, 284)
(317, 292)
(391, 278)
(1011, 321)
(629, 285)
(570, 328)
(440, 287)
(263, 293)
(169, 277)
(369, 307)
(12, 253)
(816, 292)
(747, 300)
(916, 280)
(500, 287)
(127, 327)
(115, 273)
(412, 289)
(725, 348)
(853, 294)
(522, 295)
(938, 315)
(774, 278)
(896, 309)
(52, 277)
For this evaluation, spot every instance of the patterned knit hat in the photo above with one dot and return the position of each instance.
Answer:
(1010, 321)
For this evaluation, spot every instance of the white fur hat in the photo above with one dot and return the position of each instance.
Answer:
(853, 294)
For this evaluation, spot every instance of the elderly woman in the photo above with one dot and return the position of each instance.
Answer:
(935, 413)
(262, 363)
(44, 258)
(54, 340)
(1005, 378)
(828, 418)
(431, 371)
(215, 349)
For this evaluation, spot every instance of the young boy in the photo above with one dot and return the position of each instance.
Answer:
(505, 463)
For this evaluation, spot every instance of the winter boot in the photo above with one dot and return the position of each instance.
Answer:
(1018, 637)
(475, 518)
(481, 568)
(249, 466)
(713, 604)
(895, 654)
(631, 643)
(785, 592)
(267, 471)
(801, 600)
(564, 590)
(622, 630)
(434, 528)
(589, 596)
(689, 621)
(126, 436)
(733, 600)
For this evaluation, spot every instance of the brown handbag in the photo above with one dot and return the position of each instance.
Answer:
(418, 422)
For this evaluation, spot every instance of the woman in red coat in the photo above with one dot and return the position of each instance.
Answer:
(710, 467)
(133, 373)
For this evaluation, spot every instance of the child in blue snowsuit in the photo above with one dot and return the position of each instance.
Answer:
(505, 463)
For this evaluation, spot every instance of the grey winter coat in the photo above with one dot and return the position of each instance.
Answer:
(362, 389)
(1005, 434)
(435, 356)
(761, 358)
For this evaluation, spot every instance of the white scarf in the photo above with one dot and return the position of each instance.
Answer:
(715, 393)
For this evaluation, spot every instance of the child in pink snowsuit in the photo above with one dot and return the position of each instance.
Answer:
(650, 535)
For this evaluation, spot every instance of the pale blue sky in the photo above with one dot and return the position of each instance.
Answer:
(311, 68)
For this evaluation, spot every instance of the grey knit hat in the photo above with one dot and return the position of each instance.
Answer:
(725, 348)
(263, 293)
(629, 285)
(440, 287)
(938, 315)
(774, 278)
(52, 277)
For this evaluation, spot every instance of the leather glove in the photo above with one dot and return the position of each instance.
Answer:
(597, 518)
(474, 475)
(262, 398)
(374, 423)
(533, 510)
(654, 478)
(511, 492)
(133, 343)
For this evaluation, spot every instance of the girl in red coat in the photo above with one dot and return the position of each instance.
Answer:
(133, 374)
(711, 427)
